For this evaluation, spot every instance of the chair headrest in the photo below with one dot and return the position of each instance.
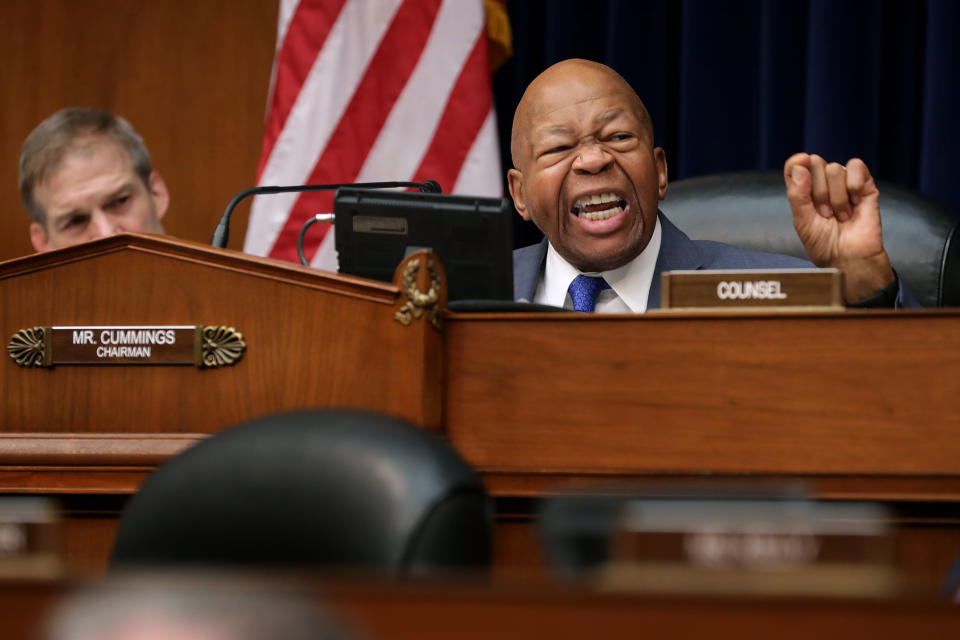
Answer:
(323, 487)
(750, 209)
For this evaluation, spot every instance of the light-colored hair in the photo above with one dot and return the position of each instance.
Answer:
(195, 604)
(48, 143)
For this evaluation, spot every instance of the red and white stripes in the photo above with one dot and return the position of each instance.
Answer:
(370, 90)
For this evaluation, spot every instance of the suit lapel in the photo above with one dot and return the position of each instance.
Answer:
(527, 267)
(677, 251)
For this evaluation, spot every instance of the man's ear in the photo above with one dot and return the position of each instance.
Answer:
(661, 157)
(161, 197)
(515, 184)
(39, 237)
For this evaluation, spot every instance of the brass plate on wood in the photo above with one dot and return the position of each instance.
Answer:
(792, 289)
(199, 345)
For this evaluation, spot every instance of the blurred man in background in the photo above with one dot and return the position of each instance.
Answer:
(86, 174)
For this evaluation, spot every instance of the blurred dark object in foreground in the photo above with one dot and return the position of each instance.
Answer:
(757, 543)
(30, 538)
(338, 489)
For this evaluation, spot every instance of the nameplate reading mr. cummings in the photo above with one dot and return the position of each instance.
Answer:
(751, 289)
(199, 345)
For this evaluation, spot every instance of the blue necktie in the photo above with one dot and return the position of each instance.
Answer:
(584, 291)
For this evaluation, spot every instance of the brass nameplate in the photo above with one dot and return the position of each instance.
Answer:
(198, 345)
(380, 224)
(752, 289)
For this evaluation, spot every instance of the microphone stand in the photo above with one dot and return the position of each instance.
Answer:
(222, 233)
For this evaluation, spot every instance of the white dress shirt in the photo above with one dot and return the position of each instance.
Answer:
(629, 284)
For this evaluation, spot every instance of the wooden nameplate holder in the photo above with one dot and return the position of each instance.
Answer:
(722, 289)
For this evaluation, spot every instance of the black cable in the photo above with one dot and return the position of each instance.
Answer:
(320, 217)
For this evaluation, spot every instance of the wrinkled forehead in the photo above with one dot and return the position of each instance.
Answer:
(90, 145)
(590, 113)
(566, 86)
(90, 168)
(83, 150)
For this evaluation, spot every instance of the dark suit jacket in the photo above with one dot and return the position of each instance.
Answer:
(677, 251)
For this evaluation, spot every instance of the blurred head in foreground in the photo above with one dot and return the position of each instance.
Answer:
(190, 607)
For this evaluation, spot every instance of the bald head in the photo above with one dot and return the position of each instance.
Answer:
(586, 171)
(565, 83)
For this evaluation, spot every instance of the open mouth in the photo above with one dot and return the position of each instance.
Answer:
(598, 206)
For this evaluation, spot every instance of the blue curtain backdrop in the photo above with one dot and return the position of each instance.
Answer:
(743, 84)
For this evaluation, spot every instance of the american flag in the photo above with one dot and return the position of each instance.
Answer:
(372, 90)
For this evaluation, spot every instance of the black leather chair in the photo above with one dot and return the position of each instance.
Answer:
(331, 488)
(750, 209)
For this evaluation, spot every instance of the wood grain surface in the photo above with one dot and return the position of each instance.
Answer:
(192, 78)
(529, 610)
(313, 340)
(850, 393)
(856, 405)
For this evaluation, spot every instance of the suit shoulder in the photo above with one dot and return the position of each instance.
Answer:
(719, 255)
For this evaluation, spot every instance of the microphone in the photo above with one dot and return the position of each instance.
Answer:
(430, 186)
(222, 233)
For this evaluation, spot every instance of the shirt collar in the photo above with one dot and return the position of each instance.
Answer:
(631, 282)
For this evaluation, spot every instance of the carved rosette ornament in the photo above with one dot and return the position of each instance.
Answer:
(419, 302)
(27, 347)
(220, 346)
